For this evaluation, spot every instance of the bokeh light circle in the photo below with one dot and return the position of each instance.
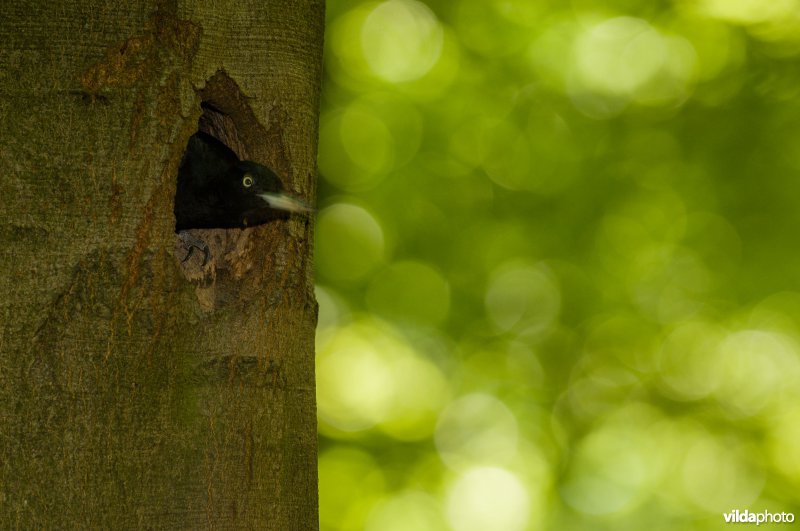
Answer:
(410, 291)
(476, 429)
(401, 40)
(522, 297)
(350, 242)
(368, 377)
(488, 498)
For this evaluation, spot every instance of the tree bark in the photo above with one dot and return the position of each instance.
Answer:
(138, 391)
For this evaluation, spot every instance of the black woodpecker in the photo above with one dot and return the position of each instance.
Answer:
(216, 190)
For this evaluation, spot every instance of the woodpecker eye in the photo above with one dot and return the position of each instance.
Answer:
(247, 181)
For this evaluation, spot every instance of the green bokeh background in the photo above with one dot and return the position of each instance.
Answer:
(557, 264)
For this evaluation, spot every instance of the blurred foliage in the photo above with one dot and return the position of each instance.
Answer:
(557, 264)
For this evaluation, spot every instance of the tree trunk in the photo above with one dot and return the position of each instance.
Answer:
(138, 391)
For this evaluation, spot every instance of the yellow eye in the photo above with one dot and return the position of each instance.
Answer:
(247, 181)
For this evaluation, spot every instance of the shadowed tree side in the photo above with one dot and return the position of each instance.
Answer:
(137, 390)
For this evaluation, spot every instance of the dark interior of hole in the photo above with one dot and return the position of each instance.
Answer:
(221, 126)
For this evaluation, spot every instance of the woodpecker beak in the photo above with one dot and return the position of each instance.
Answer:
(285, 202)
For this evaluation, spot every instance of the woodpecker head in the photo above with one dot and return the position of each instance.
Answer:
(256, 190)
(217, 190)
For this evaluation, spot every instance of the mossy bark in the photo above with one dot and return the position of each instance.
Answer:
(138, 391)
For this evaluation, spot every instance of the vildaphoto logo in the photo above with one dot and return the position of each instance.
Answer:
(765, 517)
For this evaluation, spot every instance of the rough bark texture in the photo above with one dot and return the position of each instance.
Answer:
(136, 391)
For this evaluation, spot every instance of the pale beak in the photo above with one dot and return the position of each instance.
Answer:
(285, 202)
